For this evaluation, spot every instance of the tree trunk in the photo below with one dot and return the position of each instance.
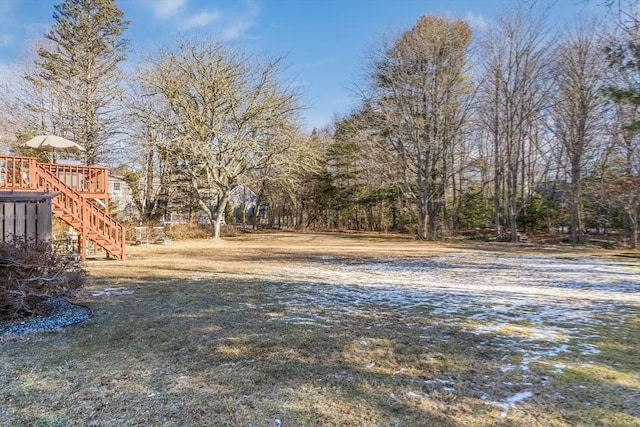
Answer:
(423, 222)
(576, 217)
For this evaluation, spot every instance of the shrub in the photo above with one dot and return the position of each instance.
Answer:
(480, 237)
(476, 211)
(187, 231)
(31, 273)
(196, 231)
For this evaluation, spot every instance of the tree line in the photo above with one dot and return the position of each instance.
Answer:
(507, 129)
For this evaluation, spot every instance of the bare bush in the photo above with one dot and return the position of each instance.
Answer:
(31, 273)
(194, 231)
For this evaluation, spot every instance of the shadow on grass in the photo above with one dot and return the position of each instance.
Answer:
(235, 352)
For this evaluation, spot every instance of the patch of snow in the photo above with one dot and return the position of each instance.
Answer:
(539, 307)
(518, 397)
(112, 291)
(587, 349)
(448, 382)
(509, 402)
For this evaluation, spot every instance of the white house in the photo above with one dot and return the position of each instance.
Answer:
(121, 199)
(241, 197)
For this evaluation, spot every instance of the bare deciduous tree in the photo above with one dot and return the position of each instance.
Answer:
(418, 85)
(578, 110)
(515, 92)
(279, 176)
(149, 169)
(229, 113)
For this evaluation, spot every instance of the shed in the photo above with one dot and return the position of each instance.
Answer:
(25, 214)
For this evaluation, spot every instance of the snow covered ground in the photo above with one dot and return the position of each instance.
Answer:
(557, 298)
(539, 307)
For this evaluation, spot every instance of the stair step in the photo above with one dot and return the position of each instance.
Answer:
(71, 200)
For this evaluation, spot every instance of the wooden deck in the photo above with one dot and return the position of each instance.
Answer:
(80, 187)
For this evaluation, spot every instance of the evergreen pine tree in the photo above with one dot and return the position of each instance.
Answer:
(79, 63)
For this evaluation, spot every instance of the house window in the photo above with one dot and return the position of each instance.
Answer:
(116, 186)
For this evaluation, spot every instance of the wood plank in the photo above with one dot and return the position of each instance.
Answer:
(44, 221)
(9, 222)
(20, 219)
(31, 221)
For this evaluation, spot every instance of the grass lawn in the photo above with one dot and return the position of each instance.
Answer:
(338, 330)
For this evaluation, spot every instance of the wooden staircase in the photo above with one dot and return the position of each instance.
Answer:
(79, 188)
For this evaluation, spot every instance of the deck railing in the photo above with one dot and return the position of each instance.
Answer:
(19, 173)
(90, 181)
(78, 187)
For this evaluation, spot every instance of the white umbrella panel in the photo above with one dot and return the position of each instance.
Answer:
(53, 143)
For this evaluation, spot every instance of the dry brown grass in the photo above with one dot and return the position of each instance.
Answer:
(198, 338)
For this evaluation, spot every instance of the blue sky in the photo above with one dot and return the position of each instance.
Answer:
(325, 42)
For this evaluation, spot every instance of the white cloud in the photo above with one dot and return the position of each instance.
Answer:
(167, 8)
(237, 29)
(201, 19)
(477, 22)
(230, 24)
(240, 24)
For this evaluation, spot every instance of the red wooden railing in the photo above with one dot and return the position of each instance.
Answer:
(17, 173)
(90, 181)
(78, 186)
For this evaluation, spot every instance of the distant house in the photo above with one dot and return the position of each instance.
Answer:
(243, 202)
(121, 199)
(242, 199)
